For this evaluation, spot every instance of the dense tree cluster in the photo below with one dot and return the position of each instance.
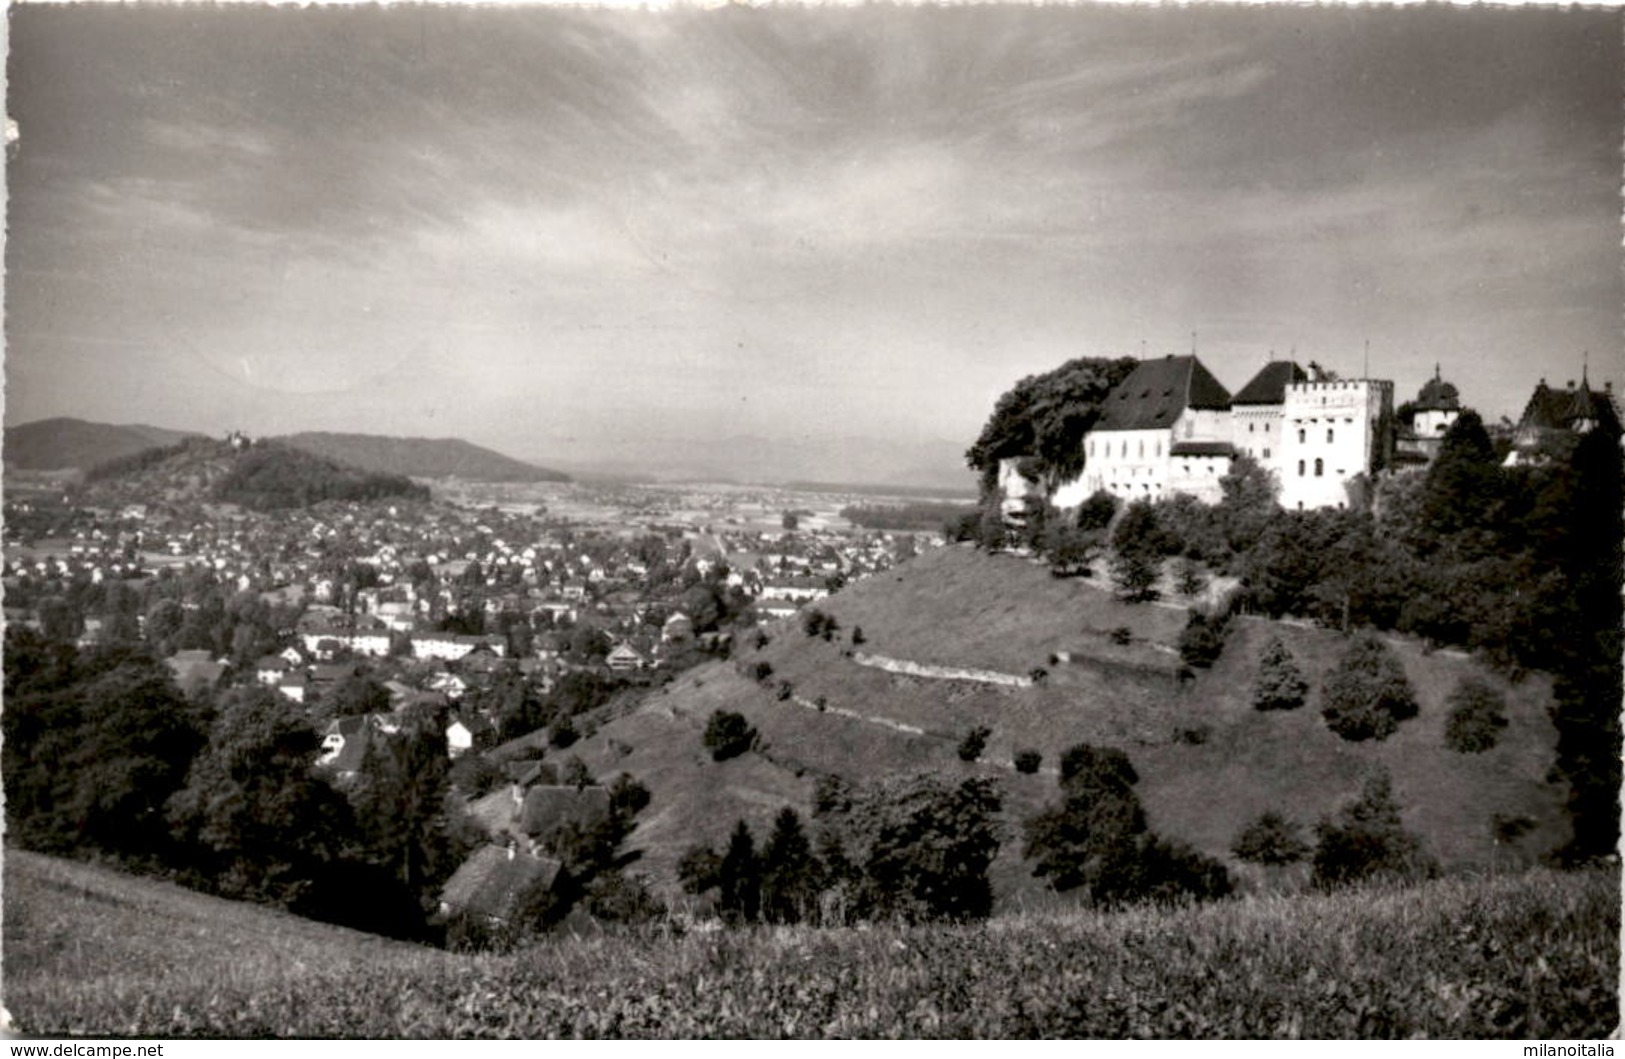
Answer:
(1366, 839)
(1367, 694)
(1096, 838)
(1044, 417)
(270, 477)
(914, 848)
(915, 515)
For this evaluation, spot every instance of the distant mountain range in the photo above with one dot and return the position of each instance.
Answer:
(421, 457)
(75, 444)
(918, 465)
(930, 464)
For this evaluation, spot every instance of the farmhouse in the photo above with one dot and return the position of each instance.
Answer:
(495, 881)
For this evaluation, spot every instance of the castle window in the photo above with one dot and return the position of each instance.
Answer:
(1142, 448)
(1091, 448)
(1302, 436)
(1251, 427)
(1190, 427)
(1328, 435)
(1266, 427)
(1300, 468)
(1320, 468)
(1159, 447)
(1266, 454)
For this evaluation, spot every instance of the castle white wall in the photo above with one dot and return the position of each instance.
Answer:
(1330, 433)
(1130, 464)
(1255, 430)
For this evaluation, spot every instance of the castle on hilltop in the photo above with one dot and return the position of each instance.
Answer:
(1171, 428)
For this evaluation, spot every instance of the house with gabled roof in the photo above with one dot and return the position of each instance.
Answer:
(1129, 451)
(1554, 420)
(495, 882)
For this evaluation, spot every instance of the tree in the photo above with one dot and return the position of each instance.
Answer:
(401, 801)
(1097, 512)
(1272, 840)
(739, 878)
(1095, 835)
(1477, 715)
(1367, 840)
(1247, 503)
(1046, 417)
(1072, 550)
(925, 847)
(975, 741)
(727, 735)
(1027, 761)
(790, 875)
(1280, 684)
(1135, 575)
(1463, 484)
(1202, 640)
(1188, 577)
(263, 826)
(1367, 694)
(699, 869)
(94, 746)
(790, 521)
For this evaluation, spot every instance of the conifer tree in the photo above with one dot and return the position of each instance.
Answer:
(1280, 684)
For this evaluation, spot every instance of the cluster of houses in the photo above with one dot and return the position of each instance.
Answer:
(1171, 428)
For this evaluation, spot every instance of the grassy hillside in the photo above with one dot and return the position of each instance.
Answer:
(1209, 763)
(92, 952)
(421, 457)
(61, 443)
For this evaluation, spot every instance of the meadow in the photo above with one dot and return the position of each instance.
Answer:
(90, 951)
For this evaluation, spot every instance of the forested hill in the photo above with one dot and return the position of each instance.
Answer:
(265, 477)
(63, 443)
(421, 457)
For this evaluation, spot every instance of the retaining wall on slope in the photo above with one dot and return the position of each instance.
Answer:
(921, 669)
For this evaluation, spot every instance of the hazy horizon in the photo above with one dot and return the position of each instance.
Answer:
(560, 230)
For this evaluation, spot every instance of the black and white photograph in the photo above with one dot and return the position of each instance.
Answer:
(786, 520)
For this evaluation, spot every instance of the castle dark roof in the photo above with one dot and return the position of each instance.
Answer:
(1269, 385)
(1157, 391)
(1437, 395)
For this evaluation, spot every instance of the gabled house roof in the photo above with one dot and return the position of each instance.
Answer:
(494, 880)
(1269, 385)
(1553, 409)
(1156, 392)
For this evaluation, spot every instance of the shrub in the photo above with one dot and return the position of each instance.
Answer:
(613, 897)
(1027, 761)
(575, 773)
(1135, 575)
(728, 734)
(1271, 839)
(761, 671)
(1188, 578)
(1122, 636)
(1367, 694)
(1202, 640)
(858, 638)
(786, 689)
(1367, 840)
(975, 741)
(1038, 674)
(1097, 512)
(562, 733)
(1280, 684)
(627, 796)
(1477, 715)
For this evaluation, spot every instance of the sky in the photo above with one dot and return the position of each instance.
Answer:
(540, 226)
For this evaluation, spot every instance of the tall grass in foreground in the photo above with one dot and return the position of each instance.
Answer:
(1518, 956)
